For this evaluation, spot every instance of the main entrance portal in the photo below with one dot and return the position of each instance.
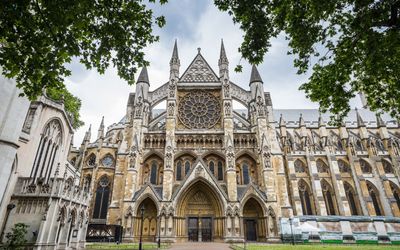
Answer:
(200, 214)
(199, 229)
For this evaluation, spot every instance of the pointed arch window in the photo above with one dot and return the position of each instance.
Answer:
(299, 166)
(102, 198)
(344, 167)
(328, 197)
(220, 171)
(187, 167)
(304, 192)
(387, 167)
(322, 167)
(179, 171)
(153, 172)
(396, 194)
(211, 167)
(365, 167)
(350, 195)
(373, 193)
(91, 162)
(46, 153)
(246, 178)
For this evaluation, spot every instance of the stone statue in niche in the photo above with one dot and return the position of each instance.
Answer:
(139, 105)
(227, 108)
(171, 109)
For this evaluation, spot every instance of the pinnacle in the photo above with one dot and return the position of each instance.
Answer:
(143, 77)
(175, 51)
(222, 54)
(255, 76)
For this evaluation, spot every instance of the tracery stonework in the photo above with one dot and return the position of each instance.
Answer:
(208, 169)
(199, 110)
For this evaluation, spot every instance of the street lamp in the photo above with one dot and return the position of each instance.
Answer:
(141, 227)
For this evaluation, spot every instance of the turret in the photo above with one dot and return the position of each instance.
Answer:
(143, 84)
(256, 83)
(302, 126)
(174, 63)
(100, 133)
(223, 62)
(87, 136)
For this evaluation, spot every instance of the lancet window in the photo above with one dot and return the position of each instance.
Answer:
(47, 151)
(102, 198)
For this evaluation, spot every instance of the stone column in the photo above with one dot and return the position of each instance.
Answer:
(295, 187)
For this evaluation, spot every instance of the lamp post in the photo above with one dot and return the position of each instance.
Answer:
(141, 227)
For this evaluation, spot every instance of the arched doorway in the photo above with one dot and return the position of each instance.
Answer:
(254, 221)
(199, 214)
(149, 220)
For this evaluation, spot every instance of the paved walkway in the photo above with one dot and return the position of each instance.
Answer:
(200, 246)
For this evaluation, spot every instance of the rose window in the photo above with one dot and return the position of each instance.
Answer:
(199, 110)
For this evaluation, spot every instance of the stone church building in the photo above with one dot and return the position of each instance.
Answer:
(199, 158)
(204, 170)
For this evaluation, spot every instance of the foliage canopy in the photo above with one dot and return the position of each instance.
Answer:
(355, 45)
(38, 38)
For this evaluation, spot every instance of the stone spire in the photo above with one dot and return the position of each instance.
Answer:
(87, 135)
(360, 122)
(255, 76)
(143, 77)
(100, 133)
(223, 62)
(174, 63)
(379, 121)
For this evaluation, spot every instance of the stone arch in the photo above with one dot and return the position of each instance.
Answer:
(396, 195)
(152, 153)
(185, 152)
(246, 170)
(300, 166)
(183, 164)
(329, 197)
(322, 166)
(375, 199)
(216, 164)
(366, 167)
(103, 197)
(387, 166)
(152, 170)
(246, 152)
(254, 220)
(47, 152)
(306, 198)
(352, 199)
(150, 218)
(344, 166)
(199, 199)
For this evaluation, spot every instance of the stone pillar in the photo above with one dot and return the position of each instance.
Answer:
(230, 166)
(170, 124)
(380, 179)
(359, 183)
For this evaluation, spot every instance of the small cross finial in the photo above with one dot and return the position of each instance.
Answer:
(198, 50)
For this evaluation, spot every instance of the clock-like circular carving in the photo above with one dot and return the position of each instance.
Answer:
(107, 161)
(199, 110)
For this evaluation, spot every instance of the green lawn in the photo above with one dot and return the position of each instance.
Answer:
(106, 246)
(311, 247)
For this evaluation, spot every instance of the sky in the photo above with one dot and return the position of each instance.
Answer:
(195, 24)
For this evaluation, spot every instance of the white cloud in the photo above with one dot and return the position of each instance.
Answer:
(107, 94)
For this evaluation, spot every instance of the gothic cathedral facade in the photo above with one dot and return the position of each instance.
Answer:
(199, 169)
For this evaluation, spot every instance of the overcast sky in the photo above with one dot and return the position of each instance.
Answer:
(195, 24)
